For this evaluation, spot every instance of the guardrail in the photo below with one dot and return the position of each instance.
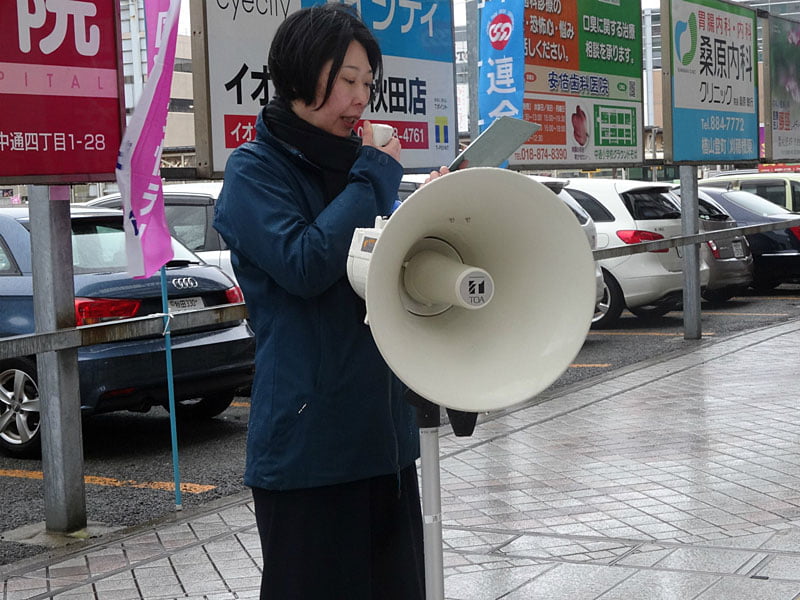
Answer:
(690, 240)
(87, 335)
(125, 329)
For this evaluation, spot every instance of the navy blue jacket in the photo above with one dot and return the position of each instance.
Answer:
(325, 407)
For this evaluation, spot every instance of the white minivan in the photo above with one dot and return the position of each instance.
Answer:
(649, 284)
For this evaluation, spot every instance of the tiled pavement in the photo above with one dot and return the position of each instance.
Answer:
(676, 479)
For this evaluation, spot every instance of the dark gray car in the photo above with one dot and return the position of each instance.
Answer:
(209, 364)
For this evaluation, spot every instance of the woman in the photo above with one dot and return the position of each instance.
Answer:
(331, 441)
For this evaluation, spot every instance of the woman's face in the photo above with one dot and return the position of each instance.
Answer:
(349, 96)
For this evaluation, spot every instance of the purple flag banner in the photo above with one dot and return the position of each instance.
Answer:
(148, 244)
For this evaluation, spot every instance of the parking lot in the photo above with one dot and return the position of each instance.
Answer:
(672, 478)
(128, 467)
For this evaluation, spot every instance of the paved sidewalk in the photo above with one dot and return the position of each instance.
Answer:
(679, 479)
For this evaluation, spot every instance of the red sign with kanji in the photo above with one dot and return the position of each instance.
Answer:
(62, 103)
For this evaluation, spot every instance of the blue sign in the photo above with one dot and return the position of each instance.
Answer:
(501, 72)
(410, 28)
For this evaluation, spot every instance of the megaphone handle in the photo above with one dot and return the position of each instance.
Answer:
(428, 421)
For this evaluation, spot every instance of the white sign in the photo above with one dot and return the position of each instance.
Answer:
(416, 96)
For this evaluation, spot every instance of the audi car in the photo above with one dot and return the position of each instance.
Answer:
(189, 208)
(209, 363)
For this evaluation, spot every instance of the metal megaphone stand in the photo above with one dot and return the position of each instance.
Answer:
(428, 419)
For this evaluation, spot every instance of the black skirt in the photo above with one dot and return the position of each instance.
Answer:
(353, 541)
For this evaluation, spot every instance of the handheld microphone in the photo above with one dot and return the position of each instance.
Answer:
(381, 134)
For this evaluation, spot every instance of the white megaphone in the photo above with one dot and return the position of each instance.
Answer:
(479, 288)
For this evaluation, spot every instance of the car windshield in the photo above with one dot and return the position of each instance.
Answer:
(755, 204)
(707, 211)
(650, 204)
(98, 246)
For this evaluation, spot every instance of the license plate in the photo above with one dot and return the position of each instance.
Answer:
(179, 304)
(738, 249)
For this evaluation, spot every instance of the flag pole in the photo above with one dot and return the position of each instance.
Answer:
(148, 242)
(176, 472)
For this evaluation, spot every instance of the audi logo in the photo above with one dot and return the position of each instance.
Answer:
(184, 283)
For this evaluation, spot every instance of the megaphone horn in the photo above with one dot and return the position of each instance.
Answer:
(479, 288)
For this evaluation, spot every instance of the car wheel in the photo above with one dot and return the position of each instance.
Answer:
(611, 304)
(652, 311)
(719, 296)
(20, 417)
(203, 408)
(764, 285)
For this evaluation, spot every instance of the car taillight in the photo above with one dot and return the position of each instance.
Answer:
(89, 311)
(234, 295)
(714, 249)
(636, 236)
(795, 231)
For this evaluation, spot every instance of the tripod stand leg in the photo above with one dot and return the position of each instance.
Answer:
(432, 513)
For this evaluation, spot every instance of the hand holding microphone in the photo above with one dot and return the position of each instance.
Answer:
(382, 136)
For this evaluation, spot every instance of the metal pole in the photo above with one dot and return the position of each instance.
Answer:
(136, 50)
(432, 513)
(173, 417)
(428, 420)
(59, 395)
(473, 52)
(691, 254)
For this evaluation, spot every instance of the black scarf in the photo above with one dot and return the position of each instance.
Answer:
(334, 155)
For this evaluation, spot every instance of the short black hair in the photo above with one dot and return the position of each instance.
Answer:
(308, 39)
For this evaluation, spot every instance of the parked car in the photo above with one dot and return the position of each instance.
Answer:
(587, 224)
(209, 364)
(189, 208)
(649, 284)
(776, 254)
(410, 183)
(782, 189)
(730, 262)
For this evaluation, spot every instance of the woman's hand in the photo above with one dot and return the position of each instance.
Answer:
(444, 171)
(392, 148)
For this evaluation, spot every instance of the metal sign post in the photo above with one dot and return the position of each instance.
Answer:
(62, 120)
(59, 394)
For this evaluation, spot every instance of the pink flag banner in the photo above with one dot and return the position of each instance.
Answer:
(148, 243)
(155, 19)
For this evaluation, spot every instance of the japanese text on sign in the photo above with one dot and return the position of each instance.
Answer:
(86, 37)
(60, 90)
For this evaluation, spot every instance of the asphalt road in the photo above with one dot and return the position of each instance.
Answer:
(128, 459)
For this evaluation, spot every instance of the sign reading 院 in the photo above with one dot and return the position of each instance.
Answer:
(711, 82)
(416, 96)
(60, 91)
(782, 54)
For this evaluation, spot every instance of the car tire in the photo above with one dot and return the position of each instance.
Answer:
(611, 304)
(764, 285)
(20, 417)
(652, 311)
(719, 296)
(203, 408)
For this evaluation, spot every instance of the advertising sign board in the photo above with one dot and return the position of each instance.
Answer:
(61, 91)
(583, 83)
(417, 95)
(782, 89)
(710, 81)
